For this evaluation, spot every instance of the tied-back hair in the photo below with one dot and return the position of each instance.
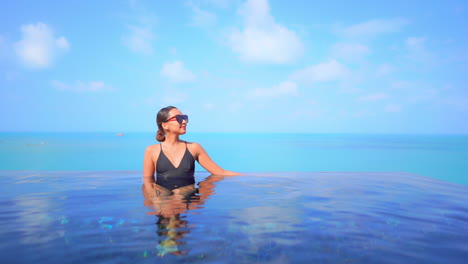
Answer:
(161, 117)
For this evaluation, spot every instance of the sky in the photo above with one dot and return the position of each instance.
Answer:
(392, 67)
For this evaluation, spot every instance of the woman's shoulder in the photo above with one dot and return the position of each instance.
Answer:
(194, 149)
(153, 148)
(193, 145)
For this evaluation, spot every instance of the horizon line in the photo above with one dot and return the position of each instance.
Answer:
(243, 132)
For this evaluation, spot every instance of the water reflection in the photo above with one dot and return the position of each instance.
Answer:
(170, 206)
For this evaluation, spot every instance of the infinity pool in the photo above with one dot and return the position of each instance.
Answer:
(103, 217)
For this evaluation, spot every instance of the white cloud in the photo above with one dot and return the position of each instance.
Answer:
(384, 69)
(423, 93)
(62, 43)
(2, 41)
(173, 51)
(373, 97)
(176, 72)
(418, 52)
(283, 89)
(148, 101)
(374, 27)
(459, 103)
(175, 97)
(350, 51)
(349, 88)
(234, 107)
(415, 42)
(415, 92)
(35, 216)
(201, 17)
(92, 86)
(221, 3)
(393, 108)
(262, 40)
(309, 109)
(139, 39)
(361, 114)
(323, 72)
(208, 106)
(4, 47)
(259, 220)
(12, 75)
(402, 85)
(39, 47)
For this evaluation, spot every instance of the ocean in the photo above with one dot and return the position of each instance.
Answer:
(442, 157)
(306, 198)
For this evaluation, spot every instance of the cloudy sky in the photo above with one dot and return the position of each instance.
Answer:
(235, 66)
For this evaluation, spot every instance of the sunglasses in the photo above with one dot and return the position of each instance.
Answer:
(178, 118)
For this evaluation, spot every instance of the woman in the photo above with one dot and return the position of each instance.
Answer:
(174, 159)
(171, 226)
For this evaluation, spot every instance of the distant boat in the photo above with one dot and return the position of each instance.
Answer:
(36, 145)
(120, 134)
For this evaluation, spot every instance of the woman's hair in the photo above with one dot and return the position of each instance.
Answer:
(161, 117)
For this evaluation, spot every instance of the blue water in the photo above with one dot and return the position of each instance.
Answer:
(326, 198)
(438, 156)
(102, 217)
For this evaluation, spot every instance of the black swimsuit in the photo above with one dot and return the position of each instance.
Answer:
(171, 177)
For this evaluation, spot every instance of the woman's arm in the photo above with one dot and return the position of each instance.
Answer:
(207, 163)
(148, 170)
(205, 190)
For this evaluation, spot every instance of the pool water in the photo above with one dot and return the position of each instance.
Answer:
(328, 217)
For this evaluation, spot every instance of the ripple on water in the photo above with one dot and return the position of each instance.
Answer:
(282, 218)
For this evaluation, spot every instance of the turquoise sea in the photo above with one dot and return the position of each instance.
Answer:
(307, 198)
(442, 157)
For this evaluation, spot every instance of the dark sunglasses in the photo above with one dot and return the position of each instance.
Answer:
(178, 118)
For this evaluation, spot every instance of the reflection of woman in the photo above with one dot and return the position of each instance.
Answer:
(170, 233)
(174, 159)
(182, 199)
(169, 207)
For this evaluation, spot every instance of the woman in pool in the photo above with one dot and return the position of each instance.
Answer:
(174, 159)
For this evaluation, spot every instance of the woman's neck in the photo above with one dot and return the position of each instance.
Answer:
(171, 139)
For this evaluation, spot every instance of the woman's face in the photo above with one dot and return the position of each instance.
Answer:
(172, 125)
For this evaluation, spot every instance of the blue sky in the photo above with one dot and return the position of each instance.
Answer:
(235, 66)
